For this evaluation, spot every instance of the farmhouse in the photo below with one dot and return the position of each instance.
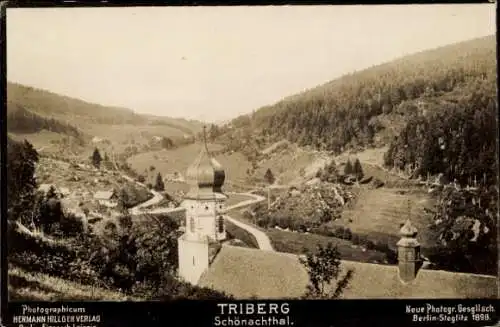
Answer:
(45, 188)
(106, 198)
(64, 191)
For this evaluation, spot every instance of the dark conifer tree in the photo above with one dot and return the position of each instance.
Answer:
(269, 176)
(159, 185)
(358, 170)
(348, 169)
(96, 158)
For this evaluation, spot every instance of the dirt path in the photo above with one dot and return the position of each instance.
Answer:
(157, 197)
(262, 239)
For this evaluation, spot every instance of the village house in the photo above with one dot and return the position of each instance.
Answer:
(45, 188)
(64, 191)
(108, 199)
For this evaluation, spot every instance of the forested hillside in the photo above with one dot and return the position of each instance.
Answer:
(457, 138)
(371, 107)
(24, 121)
(46, 103)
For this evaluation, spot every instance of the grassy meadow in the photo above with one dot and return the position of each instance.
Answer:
(35, 286)
(178, 160)
(299, 243)
(379, 213)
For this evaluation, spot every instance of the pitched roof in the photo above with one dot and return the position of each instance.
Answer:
(245, 273)
(103, 195)
(46, 187)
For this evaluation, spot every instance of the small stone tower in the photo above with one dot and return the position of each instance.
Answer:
(205, 205)
(408, 252)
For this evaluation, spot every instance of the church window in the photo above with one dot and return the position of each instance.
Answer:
(206, 207)
(221, 224)
(191, 224)
(220, 206)
(193, 261)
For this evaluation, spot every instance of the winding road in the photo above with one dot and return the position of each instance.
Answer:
(262, 239)
(138, 209)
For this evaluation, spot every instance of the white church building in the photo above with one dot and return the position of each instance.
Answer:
(204, 205)
(253, 273)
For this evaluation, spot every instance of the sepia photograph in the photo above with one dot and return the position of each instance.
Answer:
(252, 153)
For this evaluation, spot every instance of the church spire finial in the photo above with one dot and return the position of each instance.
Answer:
(205, 137)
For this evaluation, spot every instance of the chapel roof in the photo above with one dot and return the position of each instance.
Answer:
(247, 273)
(104, 195)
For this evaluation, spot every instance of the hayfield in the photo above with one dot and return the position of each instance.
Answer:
(373, 156)
(299, 243)
(24, 285)
(235, 198)
(124, 135)
(178, 160)
(379, 213)
(176, 187)
(45, 142)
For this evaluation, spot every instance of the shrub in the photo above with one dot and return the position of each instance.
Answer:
(323, 268)
(71, 225)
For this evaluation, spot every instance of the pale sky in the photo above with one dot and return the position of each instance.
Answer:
(214, 63)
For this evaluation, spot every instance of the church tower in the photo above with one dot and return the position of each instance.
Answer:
(204, 204)
(408, 252)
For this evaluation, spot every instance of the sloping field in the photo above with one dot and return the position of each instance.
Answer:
(24, 285)
(178, 160)
(287, 165)
(381, 212)
(46, 142)
(373, 156)
(124, 135)
(298, 243)
(235, 198)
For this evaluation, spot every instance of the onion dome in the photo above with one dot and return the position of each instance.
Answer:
(219, 176)
(205, 173)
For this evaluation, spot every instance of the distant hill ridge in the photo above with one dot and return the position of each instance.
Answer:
(47, 104)
(353, 110)
(429, 109)
(21, 120)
